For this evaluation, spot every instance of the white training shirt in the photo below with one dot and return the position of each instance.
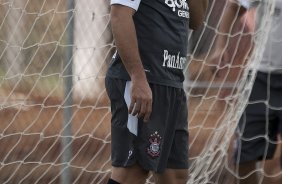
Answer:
(272, 56)
(249, 3)
(130, 3)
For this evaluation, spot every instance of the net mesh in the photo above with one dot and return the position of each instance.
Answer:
(34, 63)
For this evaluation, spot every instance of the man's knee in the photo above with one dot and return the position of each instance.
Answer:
(111, 181)
(172, 176)
(129, 175)
(181, 176)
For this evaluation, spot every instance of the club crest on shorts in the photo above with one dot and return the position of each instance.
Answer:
(154, 148)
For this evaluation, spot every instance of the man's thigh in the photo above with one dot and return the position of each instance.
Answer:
(163, 141)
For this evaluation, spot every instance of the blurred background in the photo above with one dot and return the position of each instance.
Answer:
(54, 111)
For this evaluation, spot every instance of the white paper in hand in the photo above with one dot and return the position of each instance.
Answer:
(132, 122)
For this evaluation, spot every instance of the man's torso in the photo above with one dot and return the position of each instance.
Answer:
(162, 34)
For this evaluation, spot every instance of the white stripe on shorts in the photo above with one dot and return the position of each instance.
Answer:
(132, 122)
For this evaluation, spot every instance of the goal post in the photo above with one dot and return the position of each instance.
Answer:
(33, 47)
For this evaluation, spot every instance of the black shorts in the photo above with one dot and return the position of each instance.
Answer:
(162, 142)
(262, 120)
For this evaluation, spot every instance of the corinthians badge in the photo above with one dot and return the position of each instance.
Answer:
(154, 148)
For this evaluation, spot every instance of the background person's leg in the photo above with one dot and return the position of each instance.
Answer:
(257, 133)
(245, 173)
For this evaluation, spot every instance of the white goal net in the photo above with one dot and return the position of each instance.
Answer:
(54, 111)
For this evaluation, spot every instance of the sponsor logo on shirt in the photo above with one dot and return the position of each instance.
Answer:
(173, 61)
(179, 6)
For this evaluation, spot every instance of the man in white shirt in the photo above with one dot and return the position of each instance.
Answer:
(261, 121)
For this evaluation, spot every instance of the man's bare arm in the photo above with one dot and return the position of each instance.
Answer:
(125, 38)
(231, 14)
(197, 10)
(124, 33)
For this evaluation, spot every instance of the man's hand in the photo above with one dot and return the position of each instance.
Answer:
(141, 99)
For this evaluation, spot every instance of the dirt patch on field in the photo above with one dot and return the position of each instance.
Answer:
(30, 139)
